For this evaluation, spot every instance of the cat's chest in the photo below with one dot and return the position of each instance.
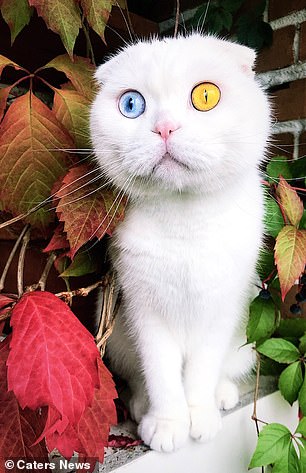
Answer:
(187, 238)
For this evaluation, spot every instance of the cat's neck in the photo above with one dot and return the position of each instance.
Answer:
(218, 196)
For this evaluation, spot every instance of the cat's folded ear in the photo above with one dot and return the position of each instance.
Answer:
(103, 71)
(244, 56)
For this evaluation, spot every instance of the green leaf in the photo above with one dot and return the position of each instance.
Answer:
(265, 263)
(302, 346)
(83, 263)
(227, 19)
(279, 350)
(288, 463)
(303, 221)
(274, 288)
(301, 428)
(292, 328)
(302, 449)
(253, 32)
(297, 167)
(273, 219)
(278, 166)
(290, 382)
(273, 444)
(302, 397)
(17, 15)
(262, 319)
(232, 5)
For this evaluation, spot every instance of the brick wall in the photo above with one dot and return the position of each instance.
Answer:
(282, 69)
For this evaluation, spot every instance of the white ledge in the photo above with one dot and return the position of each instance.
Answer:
(229, 452)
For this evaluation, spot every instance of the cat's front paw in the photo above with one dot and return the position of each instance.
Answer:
(227, 394)
(205, 423)
(163, 435)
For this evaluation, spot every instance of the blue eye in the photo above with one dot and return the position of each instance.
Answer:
(132, 104)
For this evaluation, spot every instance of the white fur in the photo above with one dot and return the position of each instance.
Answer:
(186, 251)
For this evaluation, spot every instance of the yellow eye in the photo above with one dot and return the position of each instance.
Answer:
(205, 96)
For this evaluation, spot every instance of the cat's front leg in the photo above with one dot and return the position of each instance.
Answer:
(165, 427)
(202, 371)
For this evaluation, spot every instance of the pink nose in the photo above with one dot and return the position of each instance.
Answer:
(165, 127)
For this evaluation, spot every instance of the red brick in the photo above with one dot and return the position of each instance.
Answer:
(279, 8)
(302, 54)
(281, 145)
(290, 102)
(280, 53)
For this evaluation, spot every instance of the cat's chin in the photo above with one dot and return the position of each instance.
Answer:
(169, 163)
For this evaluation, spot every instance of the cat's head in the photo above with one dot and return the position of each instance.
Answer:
(179, 114)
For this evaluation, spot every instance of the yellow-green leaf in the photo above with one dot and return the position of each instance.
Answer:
(87, 210)
(17, 14)
(290, 256)
(97, 13)
(30, 160)
(72, 110)
(80, 72)
(61, 16)
(290, 202)
(4, 62)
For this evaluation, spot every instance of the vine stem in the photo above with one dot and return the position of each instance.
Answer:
(281, 209)
(177, 16)
(88, 41)
(20, 268)
(254, 415)
(44, 275)
(83, 291)
(11, 256)
(268, 278)
(24, 215)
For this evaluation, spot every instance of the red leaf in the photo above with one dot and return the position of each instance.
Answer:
(53, 358)
(2, 324)
(5, 306)
(5, 301)
(94, 425)
(90, 436)
(58, 241)
(122, 441)
(4, 93)
(66, 443)
(86, 211)
(18, 428)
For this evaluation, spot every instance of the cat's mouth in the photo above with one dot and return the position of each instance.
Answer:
(167, 160)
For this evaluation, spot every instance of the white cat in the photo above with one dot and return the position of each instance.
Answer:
(180, 125)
